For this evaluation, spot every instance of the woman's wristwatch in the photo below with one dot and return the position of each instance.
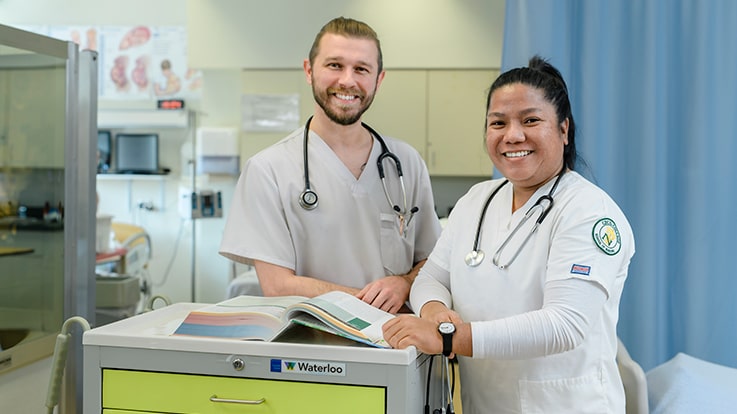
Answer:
(447, 329)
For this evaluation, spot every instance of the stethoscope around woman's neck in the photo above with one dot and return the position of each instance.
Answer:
(308, 198)
(476, 256)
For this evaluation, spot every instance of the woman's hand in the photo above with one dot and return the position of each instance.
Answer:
(437, 312)
(407, 330)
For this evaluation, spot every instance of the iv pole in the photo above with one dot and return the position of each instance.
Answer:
(193, 165)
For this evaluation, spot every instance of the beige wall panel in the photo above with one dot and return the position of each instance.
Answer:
(400, 108)
(456, 113)
(439, 112)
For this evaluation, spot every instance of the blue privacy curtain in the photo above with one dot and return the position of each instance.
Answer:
(653, 85)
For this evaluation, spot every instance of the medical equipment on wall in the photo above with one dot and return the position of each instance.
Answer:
(308, 198)
(200, 203)
(217, 151)
(476, 256)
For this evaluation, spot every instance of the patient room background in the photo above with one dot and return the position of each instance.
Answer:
(653, 92)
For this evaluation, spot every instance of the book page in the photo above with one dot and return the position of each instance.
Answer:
(274, 305)
(345, 315)
(242, 317)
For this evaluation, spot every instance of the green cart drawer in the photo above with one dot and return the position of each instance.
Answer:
(181, 393)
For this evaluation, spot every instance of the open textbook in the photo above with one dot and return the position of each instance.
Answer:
(269, 318)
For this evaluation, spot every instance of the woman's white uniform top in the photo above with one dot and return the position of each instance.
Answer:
(517, 364)
(352, 236)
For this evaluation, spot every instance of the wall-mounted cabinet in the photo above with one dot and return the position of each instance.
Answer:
(456, 114)
(439, 112)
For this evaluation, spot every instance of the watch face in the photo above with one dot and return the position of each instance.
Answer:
(446, 328)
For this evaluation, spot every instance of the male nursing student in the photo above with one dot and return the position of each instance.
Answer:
(312, 212)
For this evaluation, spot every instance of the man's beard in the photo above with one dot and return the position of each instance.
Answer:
(341, 118)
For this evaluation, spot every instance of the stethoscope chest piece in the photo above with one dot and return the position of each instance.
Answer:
(308, 199)
(475, 257)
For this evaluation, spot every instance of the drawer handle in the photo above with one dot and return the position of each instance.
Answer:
(215, 398)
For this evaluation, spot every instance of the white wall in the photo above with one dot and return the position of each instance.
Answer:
(414, 34)
(92, 12)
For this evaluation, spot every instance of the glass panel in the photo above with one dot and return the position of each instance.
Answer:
(32, 131)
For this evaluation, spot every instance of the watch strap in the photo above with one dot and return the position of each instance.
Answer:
(447, 344)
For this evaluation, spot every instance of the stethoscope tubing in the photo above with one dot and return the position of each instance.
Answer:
(308, 198)
(476, 256)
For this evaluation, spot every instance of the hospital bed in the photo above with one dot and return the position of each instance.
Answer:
(122, 274)
(243, 281)
(685, 385)
(634, 380)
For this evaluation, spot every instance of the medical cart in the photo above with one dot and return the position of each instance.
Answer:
(136, 365)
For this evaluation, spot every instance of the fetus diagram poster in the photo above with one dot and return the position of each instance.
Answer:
(136, 62)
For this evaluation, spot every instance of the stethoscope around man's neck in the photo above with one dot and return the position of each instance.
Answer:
(476, 256)
(308, 198)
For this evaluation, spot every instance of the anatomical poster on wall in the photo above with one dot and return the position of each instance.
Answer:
(87, 37)
(125, 57)
(135, 62)
(142, 62)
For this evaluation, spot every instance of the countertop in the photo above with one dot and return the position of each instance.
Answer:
(31, 224)
(9, 251)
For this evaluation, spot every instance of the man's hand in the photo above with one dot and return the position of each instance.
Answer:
(388, 294)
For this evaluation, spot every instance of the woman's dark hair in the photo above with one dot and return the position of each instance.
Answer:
(542, 75)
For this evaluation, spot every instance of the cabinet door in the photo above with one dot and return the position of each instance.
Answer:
(400, 108)
(456, 119)
(181, 393)
(441, 113)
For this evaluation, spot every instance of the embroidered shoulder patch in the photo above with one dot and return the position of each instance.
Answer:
(606, 236)
(578, 269)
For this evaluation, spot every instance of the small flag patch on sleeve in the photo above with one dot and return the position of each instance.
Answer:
(580, 269)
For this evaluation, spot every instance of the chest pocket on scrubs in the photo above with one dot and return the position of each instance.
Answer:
(397, 251)
(586, 393)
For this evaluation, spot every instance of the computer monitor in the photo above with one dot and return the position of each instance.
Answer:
(104, 145)
(137, 153)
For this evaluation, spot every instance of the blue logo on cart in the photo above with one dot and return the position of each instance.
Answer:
(276, 365)
(308, 367)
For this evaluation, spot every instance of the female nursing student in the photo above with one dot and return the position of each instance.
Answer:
(531, 314)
